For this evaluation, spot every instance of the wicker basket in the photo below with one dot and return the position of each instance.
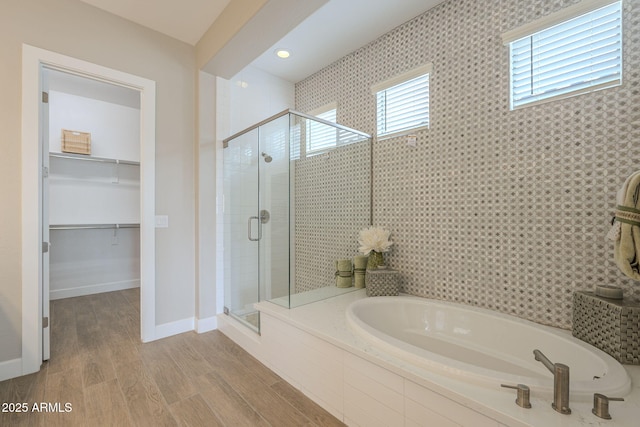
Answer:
(382, 282)
(611, 325)
(76, 142)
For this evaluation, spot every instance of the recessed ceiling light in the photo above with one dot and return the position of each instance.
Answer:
(282, 53)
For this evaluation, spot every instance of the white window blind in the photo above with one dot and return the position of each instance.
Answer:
(579, 55)
(294, 137)
(403, 106)
(320, 136)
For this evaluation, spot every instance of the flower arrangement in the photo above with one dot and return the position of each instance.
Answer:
(374, 239)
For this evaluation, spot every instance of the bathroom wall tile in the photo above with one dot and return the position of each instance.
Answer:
(334, 189)
(501, 209)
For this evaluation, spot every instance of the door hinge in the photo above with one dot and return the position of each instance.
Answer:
(45, 322)
(45, 247)
(45, 172)
(45, 97)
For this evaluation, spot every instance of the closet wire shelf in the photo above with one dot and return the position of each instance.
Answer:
(92, 226)
(93, 159)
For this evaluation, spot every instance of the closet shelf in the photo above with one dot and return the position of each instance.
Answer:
(91, 226)
(92, 159)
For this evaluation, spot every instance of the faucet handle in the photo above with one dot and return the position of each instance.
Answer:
(522, 398)
(601, 405)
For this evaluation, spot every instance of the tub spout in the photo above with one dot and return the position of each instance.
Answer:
(560, 382)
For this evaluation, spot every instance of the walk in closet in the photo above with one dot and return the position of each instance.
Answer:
(93, 186)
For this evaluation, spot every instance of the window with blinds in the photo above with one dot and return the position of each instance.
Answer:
(294, 138)
(578, 55)
(403, 102)
(321, 137)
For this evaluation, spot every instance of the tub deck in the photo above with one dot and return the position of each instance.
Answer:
(314, 349)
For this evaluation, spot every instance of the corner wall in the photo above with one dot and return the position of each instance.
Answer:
(501, 209)
(207, 299)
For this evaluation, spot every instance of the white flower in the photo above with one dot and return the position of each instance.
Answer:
(374, 239)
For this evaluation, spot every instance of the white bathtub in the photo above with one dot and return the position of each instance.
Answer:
(482, 346)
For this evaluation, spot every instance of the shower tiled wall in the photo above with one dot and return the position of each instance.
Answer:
(332, 204)
(501, 209)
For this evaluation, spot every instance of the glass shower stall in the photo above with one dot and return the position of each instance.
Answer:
(296, 192)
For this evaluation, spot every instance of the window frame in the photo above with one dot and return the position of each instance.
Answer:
(426, 69)
(548, 22)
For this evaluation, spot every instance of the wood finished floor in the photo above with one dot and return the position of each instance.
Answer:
(111, 379)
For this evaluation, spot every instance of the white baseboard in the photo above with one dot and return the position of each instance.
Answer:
(174, 328)
(93, 289)
(10, 369)
(207, 324)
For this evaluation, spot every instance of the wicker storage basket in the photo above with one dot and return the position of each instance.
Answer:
(76, 142)
(382, 282)
(611, 325)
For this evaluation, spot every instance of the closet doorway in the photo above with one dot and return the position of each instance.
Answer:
(95, 204)
(91, 187)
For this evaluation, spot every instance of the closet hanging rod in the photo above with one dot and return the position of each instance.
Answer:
(92, 226)
(93, 159)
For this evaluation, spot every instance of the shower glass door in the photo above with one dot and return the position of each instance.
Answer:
(242, 228)
(256, 218)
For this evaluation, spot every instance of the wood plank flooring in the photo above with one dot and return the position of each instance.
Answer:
(109, 378)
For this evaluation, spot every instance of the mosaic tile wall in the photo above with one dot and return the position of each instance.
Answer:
(501, 209)
(332, 204)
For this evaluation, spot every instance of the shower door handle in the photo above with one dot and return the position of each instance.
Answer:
(249, 228)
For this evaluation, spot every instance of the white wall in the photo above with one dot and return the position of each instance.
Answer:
(209, 303)
(84, 192)
(76, 29)
(255, 95)
(115, 128)
(84, 262)
(93, 193)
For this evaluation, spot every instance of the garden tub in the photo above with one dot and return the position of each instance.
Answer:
(482, 346)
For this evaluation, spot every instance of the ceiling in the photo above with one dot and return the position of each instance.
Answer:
(334, 30)
(73, 84)
(185, 20)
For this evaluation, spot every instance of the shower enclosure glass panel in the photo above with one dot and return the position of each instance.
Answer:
(297, 190)
(273, 203)
(241, 228)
